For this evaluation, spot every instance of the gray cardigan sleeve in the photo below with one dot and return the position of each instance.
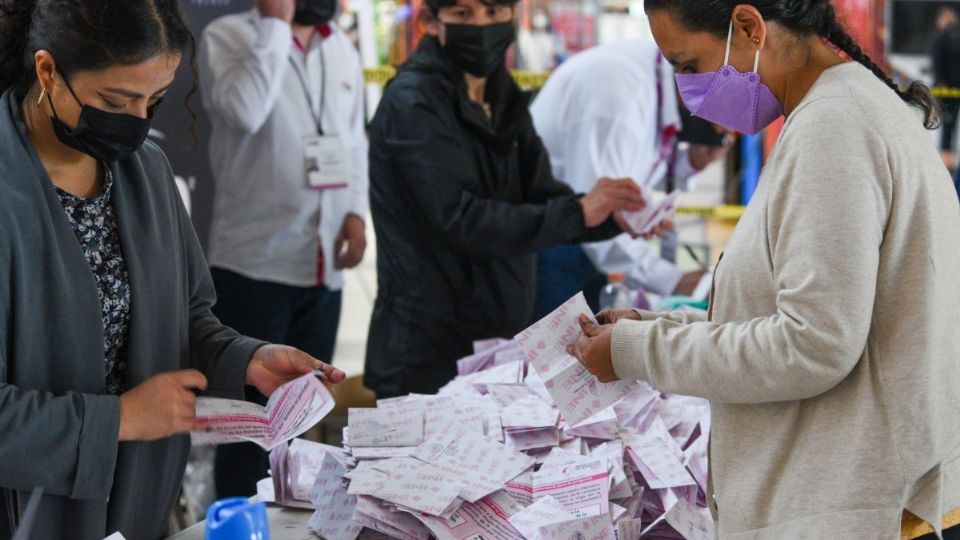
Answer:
(217, 351)
(66, 444)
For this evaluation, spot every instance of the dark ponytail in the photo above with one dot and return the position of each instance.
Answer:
(15, 16)
(804, 17)
(88, 35)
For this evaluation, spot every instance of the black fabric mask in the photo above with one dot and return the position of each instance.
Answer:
(479, 50)
(314, 12)
(106, 136)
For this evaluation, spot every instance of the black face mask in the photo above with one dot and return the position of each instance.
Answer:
(314, 12)
(479, 50)
(106, 136)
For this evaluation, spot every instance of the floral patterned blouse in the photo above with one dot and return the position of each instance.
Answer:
(95, 225)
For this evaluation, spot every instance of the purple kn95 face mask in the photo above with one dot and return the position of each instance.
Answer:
(734, 100)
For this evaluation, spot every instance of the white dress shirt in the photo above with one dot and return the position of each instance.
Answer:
(599, 115)
(268, 224)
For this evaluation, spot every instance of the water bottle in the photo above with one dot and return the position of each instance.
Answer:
(615, 295)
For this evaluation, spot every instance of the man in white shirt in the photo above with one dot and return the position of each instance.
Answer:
(612, 111)
(283, 88)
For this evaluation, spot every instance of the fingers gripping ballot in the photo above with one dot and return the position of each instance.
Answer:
(610, 197)
(593, 349)
(162, 406)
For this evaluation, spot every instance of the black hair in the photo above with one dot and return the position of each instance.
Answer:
(88, 35)
(436, 5)
(804, 17)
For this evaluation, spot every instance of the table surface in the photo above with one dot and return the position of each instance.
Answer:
(285, 524)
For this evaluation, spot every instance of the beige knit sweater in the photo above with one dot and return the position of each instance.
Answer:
(833, 358)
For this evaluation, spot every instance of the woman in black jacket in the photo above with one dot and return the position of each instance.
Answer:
(106, 330)
(463, 198)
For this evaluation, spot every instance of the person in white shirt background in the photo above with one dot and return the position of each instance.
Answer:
(283, 87)
(612, 111)
(540, 50)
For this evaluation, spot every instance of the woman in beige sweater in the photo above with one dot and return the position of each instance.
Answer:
(831, 356)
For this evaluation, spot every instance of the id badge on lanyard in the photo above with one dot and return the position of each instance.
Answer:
(326, 162)
(326, 157)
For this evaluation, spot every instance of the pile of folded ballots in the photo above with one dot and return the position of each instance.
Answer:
(523, 444)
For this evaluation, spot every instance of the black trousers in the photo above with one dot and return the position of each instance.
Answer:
(305, 318)
(951, 109)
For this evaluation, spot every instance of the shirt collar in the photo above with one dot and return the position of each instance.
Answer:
(323, 30)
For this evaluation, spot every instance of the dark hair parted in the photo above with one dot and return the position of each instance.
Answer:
(803, 17)
(88, 35)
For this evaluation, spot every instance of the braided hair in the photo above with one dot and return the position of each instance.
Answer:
(804, 17)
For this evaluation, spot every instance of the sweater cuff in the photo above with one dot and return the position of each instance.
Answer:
(646, 315)
(229, 378)
(627, 350)
(97, 448)
(605, 231)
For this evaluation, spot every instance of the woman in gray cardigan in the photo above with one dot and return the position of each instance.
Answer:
(106, 331)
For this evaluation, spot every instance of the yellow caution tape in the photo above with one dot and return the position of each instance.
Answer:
(525, 79)
(379, 75)
(943, 92)
(731, 212)
(529, 80)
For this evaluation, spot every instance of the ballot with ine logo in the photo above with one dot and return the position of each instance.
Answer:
(293, 409)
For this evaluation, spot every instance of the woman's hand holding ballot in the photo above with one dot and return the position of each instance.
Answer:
(162, 406)
(609, 316)
(593, 350)
(165, 405)
(273, 365)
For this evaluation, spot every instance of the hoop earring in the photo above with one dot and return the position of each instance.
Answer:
(43, 93)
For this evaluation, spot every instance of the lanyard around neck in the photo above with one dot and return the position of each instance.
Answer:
(318, 121)
(666, 133)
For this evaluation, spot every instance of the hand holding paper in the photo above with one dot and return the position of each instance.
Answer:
(293, 409)
(593, 349)
(609, 196)
(274, 365)
(609, 316)
(577, 393)
(653, 219)
(161, 406)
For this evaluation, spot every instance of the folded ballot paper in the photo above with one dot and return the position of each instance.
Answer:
(523, 444)
(659, 207)
(577, 393)
(293, 409)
